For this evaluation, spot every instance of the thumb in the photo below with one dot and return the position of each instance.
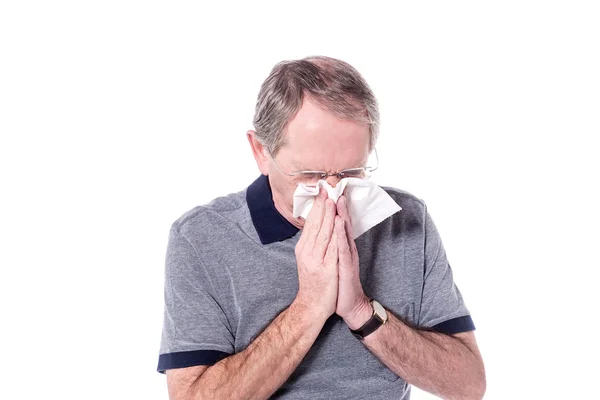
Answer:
(331, 254)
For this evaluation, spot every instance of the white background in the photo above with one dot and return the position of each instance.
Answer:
(118, 116)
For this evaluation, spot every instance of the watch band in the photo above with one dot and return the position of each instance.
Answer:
(370, 326)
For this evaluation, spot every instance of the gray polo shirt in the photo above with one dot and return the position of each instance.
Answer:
(231, 269)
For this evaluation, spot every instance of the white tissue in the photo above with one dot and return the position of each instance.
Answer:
(368, 204)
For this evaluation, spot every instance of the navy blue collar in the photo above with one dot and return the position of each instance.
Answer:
(269, 223)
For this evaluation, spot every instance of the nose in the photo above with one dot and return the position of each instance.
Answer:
(333, 180)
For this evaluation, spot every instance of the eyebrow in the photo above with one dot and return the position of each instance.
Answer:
(299, 167)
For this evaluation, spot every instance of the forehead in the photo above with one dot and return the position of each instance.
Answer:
(317, 139)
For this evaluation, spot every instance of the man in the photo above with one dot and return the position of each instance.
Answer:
(261, 304)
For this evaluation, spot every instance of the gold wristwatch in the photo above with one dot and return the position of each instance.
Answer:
(378, 318)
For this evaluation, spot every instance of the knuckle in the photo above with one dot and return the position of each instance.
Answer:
(318, 204)
(324, 238)
(329, 206)
(332, 247)
(314, 226)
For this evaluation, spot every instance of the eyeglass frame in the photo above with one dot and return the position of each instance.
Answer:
(325, 174)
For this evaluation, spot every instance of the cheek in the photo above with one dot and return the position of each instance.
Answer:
(289, 196)
(285, 189)
(289, 193)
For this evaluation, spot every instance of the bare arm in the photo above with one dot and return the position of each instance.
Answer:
(450, 367)
(259, 370)
(447, 366)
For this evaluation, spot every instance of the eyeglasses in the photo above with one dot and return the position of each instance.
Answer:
(310, 178)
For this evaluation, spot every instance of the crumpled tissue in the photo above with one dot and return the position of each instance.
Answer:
(368, 204)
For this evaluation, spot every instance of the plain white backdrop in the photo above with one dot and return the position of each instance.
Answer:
(118, 116)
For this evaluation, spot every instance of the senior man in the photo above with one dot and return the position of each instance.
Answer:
(261, 304)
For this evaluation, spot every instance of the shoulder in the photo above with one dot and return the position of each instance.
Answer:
(219, 211)
(412, 219)
(411, 204)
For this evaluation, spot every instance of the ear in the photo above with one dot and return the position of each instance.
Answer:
(261, 155)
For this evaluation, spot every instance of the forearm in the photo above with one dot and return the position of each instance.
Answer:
(435, 362)
(259, 370)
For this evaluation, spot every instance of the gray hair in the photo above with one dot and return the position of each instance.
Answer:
(333, 84)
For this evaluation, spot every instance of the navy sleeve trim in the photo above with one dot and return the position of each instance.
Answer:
(184, 359)
(455, 325)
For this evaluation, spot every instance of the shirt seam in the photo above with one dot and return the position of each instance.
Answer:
(209, 280)
(204, 209)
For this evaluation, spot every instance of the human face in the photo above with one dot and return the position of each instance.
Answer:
(315, 140)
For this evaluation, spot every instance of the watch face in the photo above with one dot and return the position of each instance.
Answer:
(379, 310)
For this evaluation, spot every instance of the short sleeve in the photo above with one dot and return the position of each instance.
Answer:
(442, 305)
(195, 328)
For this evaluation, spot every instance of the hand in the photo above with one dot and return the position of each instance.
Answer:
(352, 303)
(317, 259)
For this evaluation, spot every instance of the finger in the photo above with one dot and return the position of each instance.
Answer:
(342, 207)
(324, 236)
(345, 254)
(343, 212)
(332, 256)
(314, 219)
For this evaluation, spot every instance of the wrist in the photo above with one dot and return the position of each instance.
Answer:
(360, 314)
(308, 312)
